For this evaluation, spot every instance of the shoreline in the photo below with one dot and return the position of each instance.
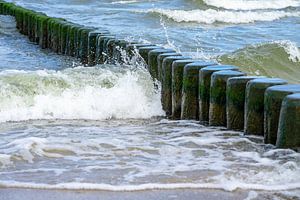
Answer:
(190, 194)
(42, 194)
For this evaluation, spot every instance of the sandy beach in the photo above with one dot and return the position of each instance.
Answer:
(34, 194)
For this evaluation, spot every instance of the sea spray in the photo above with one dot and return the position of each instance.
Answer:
(79, 93)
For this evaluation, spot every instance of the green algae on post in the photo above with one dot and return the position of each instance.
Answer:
(71, 41)
(254, 104)
(143, 51)
(235, 101)
(177, 82)
(218, 87)
(189, 105)
(92, 43)
(99, 57)
(105, 52)
(119, 51)
(160, 59)
(43, 32)
(63, 37)
(273, 99)
(112, 46)
(83, 50)
(132, 49)
(152, 60)
(289, 123)
(166, 82)
(204, 88)
(55, 34)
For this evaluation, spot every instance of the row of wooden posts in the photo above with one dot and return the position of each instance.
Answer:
(214, 94)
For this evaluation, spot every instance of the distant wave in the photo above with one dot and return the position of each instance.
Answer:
(124, 2)
(277, 58)
(252, 4)
(211, 16)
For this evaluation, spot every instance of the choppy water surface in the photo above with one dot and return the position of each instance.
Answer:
(66, 126)
(259, 36)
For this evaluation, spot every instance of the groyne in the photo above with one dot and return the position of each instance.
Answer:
(214, 94)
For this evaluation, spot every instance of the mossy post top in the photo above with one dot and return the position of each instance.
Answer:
(163, 55)
(175, 58)
(185, 61)
(201, 63)
(227, 73)
(138, 45)
(148, 47)
(285, 88)
(267, 81)
(161, 50)
(244, 78)
(294, 97)
(218, 68)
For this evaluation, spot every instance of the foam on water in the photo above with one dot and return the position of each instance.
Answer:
(78, 93)
(140, 155)
(125, 2)
(153, 186)
(211, 16)
(252, 4)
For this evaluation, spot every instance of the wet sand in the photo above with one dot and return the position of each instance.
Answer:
(35, 194)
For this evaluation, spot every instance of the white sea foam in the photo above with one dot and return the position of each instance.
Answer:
(124, 2)
(229, 186)
(211, 16)
(5, 160)
(80, 93)
(253, 4)
(251, 195)
(163, 155)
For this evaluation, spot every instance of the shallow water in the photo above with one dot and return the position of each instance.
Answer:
(102, 127)
(140, 154)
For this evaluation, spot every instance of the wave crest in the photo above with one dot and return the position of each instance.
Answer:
(252, 4)
(211, 16)
(275, 59)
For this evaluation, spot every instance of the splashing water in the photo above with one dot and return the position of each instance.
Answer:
(102, 92)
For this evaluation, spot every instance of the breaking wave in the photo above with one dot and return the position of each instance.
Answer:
(252, 4)
(78, 93)
(211, 16)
